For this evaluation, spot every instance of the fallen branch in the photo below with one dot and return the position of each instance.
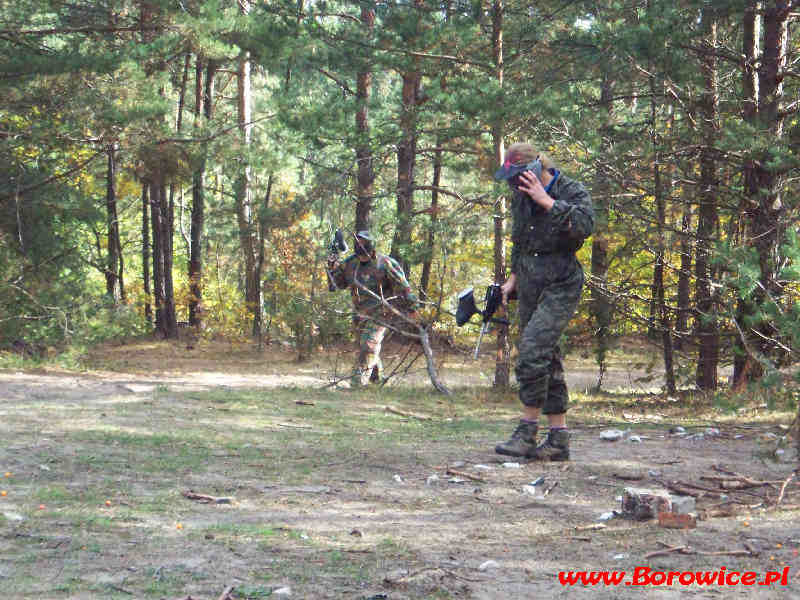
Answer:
(688, 550)
(206, 499)
(422, 335)
(669, 550)
(783, 488)
(593, 527)
(550, 489)
(226, 593)
(403, 413)
(293, 425)
(465, 475)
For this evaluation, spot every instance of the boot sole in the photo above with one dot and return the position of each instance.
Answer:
(505, 452)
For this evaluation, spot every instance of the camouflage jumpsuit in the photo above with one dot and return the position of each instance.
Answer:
(383, 276)
(549, 282)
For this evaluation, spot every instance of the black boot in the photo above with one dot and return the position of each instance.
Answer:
(522, 442)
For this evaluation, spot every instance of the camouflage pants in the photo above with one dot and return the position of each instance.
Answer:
(370, 337)
(549, 288)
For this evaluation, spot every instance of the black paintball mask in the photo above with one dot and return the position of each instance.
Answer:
(364, 244)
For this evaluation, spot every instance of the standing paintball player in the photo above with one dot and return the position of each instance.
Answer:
(552, 215)
(383, 276)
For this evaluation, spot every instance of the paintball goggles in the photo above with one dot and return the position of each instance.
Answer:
(337, 245)
(466, 308)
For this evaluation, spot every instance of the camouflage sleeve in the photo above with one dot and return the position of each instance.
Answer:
(517, 226)
(573, 212)
(395, 273)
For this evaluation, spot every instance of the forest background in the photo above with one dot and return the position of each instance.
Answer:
(171, 162)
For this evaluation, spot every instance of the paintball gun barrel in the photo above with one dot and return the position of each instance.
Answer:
(466, 308)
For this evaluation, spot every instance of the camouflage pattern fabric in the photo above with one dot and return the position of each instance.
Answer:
(384, 277)
(549, 284)
(549, 288)
(536, 230)
(370, 338)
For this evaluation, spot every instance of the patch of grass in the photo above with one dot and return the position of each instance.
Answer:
(56, 493)
(252, 592)
(232, 531)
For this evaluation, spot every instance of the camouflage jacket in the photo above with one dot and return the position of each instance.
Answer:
(561, 230)
(382, 275)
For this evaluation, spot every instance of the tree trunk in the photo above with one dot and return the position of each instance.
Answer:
(113, 276)
(600, 304)
(424, 280)
(406, 161)
(204, 106)
(148, 308)
(244, 204)
(365, 177)
(765, 208)
(706, 326)
(502, 366)
(659, 296)
(156, 217)
(684, 277)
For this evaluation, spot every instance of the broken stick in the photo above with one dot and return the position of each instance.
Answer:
(192, 495)
(466, 475)
(403, 413)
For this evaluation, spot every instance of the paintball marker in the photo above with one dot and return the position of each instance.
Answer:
(337, 245)
(466, 308)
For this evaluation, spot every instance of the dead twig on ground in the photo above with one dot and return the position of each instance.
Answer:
(226, 593)
(688, 550)
(783, 487)
(465, 475)
(206, 499)
(404, 413)
(668, 550)
(550, 489)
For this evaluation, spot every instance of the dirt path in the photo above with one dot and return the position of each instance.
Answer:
(328, 495)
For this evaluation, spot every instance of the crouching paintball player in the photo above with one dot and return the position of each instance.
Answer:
(372, 278)
(552, 216)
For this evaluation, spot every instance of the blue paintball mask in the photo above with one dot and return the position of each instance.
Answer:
(511, 171)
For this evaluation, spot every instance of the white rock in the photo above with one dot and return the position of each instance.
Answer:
(611, 435)
(12, 516)
(635, 438)
(621, 556)
(483, 467)
(512, 465)
(432, 479)
(654, 473)
(682, 505)
(712, 431)
(398, 479)
(529, 489)
(606, 516)
(489, 564)
(282, 591)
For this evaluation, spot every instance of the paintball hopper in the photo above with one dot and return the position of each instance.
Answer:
(338, 244)
(466, 307)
